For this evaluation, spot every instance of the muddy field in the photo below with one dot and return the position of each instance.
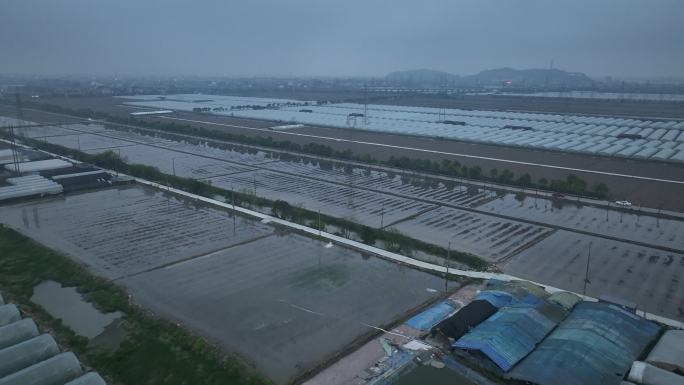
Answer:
(649, 277)
(489, 237)
(287, 303)
(284, 302)
(630, 224)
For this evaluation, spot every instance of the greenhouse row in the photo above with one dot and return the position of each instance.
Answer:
(606, 136)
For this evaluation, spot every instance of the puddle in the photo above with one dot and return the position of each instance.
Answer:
(68, 305)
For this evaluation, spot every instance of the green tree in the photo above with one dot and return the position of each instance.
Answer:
(524, 180)
(601, 190)
(493, 173)
(543, 182)
(475, 172)
(281, 209)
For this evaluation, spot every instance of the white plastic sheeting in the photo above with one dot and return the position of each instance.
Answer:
(30, 185)
(669, 351)
(587, 134)
(28, 358)
(645, 374)
(39, 165)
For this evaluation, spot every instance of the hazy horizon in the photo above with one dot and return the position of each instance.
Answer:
(307, 38)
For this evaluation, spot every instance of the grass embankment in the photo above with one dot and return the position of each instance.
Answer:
(393, 240)
(154, 352)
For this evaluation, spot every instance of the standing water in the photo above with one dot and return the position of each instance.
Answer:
(67, 304)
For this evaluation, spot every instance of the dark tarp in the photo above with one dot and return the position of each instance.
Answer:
(465, 319)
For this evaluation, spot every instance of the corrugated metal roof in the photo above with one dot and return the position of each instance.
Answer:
(497, 298)
(431, 316)
(669, 351)
(29, 358)
(512, 333)
(596, 344)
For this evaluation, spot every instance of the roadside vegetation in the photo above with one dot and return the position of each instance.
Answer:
(572, 184)
(154, 352)
(391, 240)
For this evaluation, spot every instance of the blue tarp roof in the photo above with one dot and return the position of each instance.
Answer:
(432, 316)
(512, 333)
(596, 344)
(497, 298)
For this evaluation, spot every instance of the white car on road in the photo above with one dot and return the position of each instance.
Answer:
(624, 203)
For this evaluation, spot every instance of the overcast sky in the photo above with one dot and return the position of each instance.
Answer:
(634, 38)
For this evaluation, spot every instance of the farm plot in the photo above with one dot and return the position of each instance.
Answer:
(434, 190)
(286, 303)
(173, 162)
(489, 237)
(422, 188)
(327, 170)
(86, 142)
(230, 154)
(123, 231)
(44, 131)
(369, 208)
(625, 224)
(649, 277)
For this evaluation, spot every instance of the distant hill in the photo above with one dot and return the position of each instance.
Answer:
(422, 77)
(528, 77)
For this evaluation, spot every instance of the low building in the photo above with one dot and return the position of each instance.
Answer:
(512, 333)
(595, 344)
(465, 319)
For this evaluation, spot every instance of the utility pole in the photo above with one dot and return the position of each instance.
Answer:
(446, 265)
(15, 149)
(586, 273)
(173, 165)
(232, 201)
(365, 105)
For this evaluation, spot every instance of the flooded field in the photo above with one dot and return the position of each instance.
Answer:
(649, 277)
(127, 230)
(531, 231)
(67, 304)
(369, 208)
(172, 162)
(284, 302)
(628, 224)
(489, 237)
